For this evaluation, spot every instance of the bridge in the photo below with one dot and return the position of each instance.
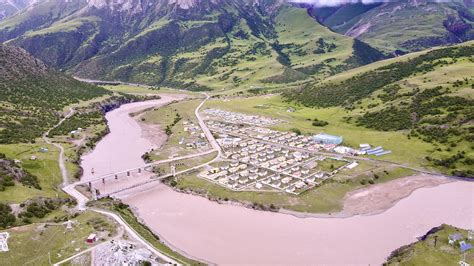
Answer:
(141, 170)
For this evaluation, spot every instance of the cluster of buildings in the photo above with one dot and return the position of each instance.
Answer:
(120, 252)
(463, 242)
(320, 142)
(258, 158)
(377, 151)
(239, 118)
(193, 137)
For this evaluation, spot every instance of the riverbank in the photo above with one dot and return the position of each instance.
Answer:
(235, 235)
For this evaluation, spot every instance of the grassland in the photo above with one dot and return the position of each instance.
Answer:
(353, 72)
(431, 102)
(31, 244)
(424, 252)
(130, 89)
(165, 116)
(45, 167)
(296, 29)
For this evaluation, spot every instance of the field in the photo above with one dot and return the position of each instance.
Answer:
(31, 244)
(45, 168)
(129, 89)
(352, 72)
(177, 139)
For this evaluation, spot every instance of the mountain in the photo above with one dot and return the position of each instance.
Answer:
(193, 44)
(10, 7)
(402, 26)
(33, 97)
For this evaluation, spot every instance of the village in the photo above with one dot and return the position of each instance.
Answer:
(257, 158)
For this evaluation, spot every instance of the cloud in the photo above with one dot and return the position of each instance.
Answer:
(336, 2)
(320, 3)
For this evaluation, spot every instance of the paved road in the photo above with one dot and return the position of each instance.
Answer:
(205, 129)
(82, 200)
(61, 159)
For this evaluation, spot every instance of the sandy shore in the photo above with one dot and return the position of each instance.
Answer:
(378, 198)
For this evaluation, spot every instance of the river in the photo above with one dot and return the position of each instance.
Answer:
(123, 147)
(227, 234)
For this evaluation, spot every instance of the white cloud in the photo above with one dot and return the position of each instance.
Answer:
(335, 2)
(321, 3)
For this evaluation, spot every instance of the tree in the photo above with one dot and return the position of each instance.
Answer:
(7, 218)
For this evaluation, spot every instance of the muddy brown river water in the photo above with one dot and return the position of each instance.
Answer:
(227, 234)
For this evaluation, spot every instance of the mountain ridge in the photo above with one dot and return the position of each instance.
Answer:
(402, 26)
(208, 44)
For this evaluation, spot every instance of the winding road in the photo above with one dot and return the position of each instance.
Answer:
(82, 200)
(61, 159)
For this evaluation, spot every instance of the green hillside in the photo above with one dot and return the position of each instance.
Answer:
(218, 45)
(32, 97)
(402, 26)
(430, 97)
(433, 249)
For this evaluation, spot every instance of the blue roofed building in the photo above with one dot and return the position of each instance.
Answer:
(465, 246)
(327, 139)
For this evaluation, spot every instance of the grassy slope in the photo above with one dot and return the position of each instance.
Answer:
(294, 26)
(350, 73)
(408, 150)
(30, 245)
(45, 168)
(388, 34)
(424, 252)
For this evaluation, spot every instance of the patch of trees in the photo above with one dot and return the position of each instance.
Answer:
(296, 130)
(40, 208)
(83, 119)
(7, 218)
(390, 93)
(319, 123)
(168, 129)
(282, 58)
(323, 47)
(10, 172)
(34, 104)
(389, 119)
